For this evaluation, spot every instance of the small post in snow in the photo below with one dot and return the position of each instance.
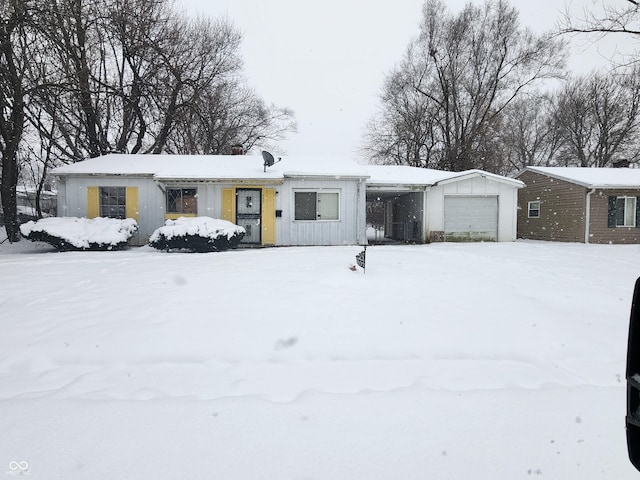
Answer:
(361, 259)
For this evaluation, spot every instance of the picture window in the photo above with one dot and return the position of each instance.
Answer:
(317, 205)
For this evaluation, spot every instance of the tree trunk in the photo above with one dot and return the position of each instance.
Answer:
(11, 127)
(8, 196)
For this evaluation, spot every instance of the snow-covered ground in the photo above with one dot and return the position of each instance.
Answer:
(443, 361)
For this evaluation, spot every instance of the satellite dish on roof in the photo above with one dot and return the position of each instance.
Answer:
(268, 159)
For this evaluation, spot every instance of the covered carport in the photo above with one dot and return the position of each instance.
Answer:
(396, 202)
(395, 215)
(416, 205)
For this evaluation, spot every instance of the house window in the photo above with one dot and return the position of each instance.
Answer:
(316, 205)
(113, 202)
(623, 212)
(534, 209)
(182, 201)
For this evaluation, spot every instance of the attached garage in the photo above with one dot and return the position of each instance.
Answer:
(470, 218)
(424, 205)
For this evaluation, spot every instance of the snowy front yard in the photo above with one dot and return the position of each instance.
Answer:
(443, 361)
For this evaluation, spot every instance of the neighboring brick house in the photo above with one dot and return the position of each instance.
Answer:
(573, 204)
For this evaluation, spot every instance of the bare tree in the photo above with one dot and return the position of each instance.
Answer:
(13, 51)
(230, 114)
(528, 133)
(605, 16)
(135, 76)
(101, 62)
(598, 118)
(128, 76)
(404, 131)
(467, 68)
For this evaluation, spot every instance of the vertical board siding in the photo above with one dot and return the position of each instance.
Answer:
(562, 209)
(476, 186)
(81, 199)
(341, 232)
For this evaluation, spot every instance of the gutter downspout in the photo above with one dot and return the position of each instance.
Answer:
(587, 217)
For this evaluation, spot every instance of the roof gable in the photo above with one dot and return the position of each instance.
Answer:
(404, 175)
(467, 174)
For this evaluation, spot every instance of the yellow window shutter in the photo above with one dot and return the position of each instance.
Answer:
(228, 205)
(93, 202)
(268, 216)
(131, 209)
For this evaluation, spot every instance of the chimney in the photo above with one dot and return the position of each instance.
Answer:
(621, 163)
(237, 150)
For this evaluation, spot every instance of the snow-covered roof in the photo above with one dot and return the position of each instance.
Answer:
(481, 173)
(214, 167)
(251, 167)
(404, 175)
(593, 177)
(389, 175)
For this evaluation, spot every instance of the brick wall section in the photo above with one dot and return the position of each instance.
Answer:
(598, 230)
(562, 209)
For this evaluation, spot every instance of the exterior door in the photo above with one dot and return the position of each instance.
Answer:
(248, 214)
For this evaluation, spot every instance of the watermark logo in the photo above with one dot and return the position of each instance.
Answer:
(18, 468)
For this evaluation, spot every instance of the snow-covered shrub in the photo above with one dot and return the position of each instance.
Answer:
(73, 233)
(197, 234)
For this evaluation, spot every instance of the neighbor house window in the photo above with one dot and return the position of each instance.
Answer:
(182, 201)
(317, 205)
(622, 211)
(534, 209)
(113, 202)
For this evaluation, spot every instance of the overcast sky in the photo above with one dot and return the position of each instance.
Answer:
(327, 59)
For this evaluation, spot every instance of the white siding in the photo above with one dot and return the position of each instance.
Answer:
(475, 186)
(72, 200)
(348, 230)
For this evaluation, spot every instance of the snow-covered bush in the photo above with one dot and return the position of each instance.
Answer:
(73, 233)
(197, 234)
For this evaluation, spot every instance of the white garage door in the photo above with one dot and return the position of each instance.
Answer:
(470, 219)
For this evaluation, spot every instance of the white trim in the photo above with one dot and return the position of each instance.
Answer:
(457, 177)
(529, 208)
(626, 199)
